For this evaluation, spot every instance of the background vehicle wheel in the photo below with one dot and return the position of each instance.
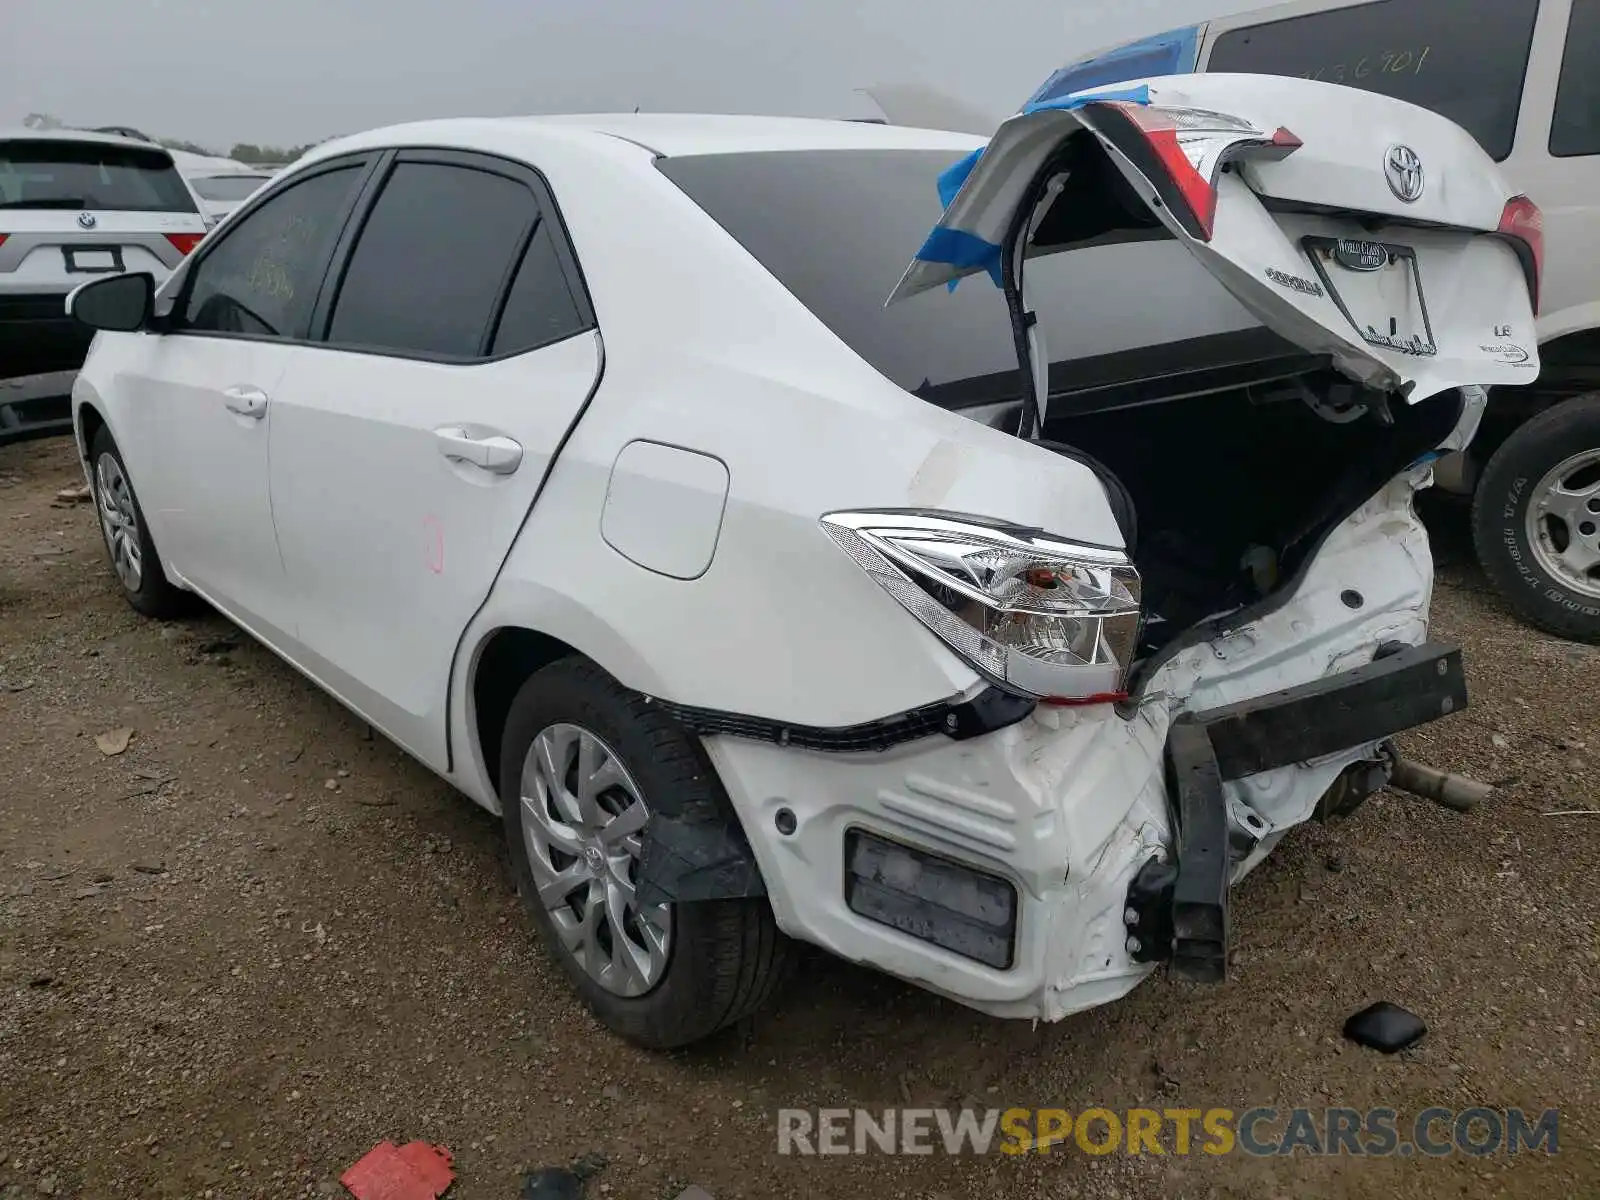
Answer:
(582, 764)
(1536, 520)
(134, 560)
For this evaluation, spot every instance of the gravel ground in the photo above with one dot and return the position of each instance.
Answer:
(255, 942)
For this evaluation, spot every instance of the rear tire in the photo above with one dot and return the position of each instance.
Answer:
(723, 958)
(135, 564)
(1528, 549)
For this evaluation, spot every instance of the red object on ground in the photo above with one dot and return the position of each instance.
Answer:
(415, 1171)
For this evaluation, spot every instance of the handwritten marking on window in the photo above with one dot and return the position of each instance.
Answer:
(1373, 66)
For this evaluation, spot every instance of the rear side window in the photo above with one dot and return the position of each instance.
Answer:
(40, 173)
(433, 259)
(262, 277)
(1576, 126)
(539, 308)
(1465, 62)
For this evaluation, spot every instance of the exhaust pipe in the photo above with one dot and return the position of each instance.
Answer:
(1455, 792)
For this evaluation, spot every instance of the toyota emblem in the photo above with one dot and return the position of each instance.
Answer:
(86, 220)
(1403, 169)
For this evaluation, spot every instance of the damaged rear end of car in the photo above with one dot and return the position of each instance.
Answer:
(1157, 714)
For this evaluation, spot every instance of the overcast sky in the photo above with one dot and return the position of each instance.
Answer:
(291, 71)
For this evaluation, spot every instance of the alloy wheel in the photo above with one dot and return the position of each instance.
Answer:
(1564, 522)
(583, 819)
(119, 521)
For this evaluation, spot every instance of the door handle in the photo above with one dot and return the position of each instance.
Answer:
(246, 401)
(493, 452)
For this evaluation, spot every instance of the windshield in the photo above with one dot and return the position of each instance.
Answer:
(837, 228)
(228, 187)
(82, 174)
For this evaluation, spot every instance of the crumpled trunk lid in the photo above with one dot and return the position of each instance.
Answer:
(1358, 226)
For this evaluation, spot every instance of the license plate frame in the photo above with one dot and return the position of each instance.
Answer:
(92, 263)
(1322, 254)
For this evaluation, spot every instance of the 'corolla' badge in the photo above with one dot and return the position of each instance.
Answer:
(86, 220)
(1355, 255)
(1403, 169)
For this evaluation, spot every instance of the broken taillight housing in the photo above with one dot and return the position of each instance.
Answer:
(1181, 152)
(1522, 225)
(1041, 615)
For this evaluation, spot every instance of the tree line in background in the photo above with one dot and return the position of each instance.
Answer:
(248, 152)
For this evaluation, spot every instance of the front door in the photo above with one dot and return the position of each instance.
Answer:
(408, 449)
(205, 389)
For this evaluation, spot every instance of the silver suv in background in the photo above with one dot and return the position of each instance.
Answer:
(75, 205)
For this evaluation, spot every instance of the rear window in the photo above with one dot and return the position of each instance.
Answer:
(228, 187)
(838, 228)
(37, 173)
(1466, 63)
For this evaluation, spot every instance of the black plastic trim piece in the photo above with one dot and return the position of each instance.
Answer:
(1200, 892)
(1399, 691)
(991, 709)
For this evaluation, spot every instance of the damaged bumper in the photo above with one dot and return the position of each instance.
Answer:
(1179, 910)
(1050, 865)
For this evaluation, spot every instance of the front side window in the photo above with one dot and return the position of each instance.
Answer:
(1575, 128)
(433, 258)
(262, 277)
(42, 173)
(1465, 62)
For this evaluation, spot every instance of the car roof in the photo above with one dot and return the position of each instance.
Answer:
(79, 135)
(665, 134)
(673, 134)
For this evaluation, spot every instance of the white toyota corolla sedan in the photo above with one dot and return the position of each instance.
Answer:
(584, 458)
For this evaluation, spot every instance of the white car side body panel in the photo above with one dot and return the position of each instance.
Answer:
(705, 352)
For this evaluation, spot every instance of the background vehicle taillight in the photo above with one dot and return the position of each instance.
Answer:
(1522, 224)
(3, 237)
(185, 242)
(1181, 152)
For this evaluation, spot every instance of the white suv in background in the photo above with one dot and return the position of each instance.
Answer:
(1523, 77)
(75, 205)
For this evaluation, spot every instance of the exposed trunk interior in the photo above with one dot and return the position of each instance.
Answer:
(1232, 493)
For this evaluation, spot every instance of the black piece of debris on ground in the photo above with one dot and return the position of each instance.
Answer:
(1386, 1027)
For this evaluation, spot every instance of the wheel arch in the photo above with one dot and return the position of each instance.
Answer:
(87, 422)
(503, 661)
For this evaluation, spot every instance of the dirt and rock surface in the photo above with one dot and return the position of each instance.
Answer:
(252, 941)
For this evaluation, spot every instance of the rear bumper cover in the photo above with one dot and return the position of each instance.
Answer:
(1070, 807)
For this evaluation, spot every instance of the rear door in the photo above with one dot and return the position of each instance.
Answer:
(458, 349)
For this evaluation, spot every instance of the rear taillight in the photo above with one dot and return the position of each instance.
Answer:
(1181, 152)
(1522, 225)
(3, 237)
(185, 242)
